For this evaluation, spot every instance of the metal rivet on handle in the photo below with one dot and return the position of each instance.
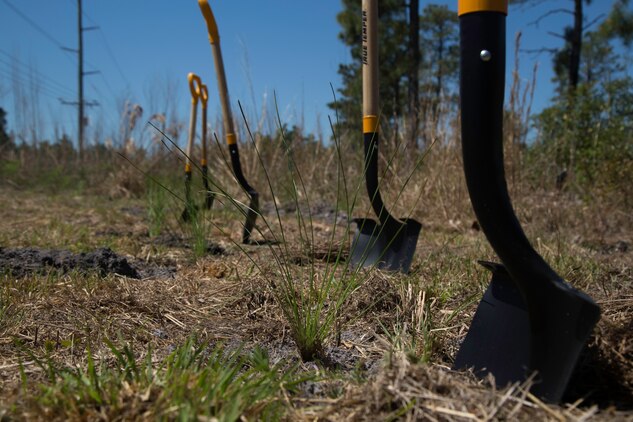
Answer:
(485, 55)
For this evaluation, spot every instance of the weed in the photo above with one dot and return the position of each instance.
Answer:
(198, 230)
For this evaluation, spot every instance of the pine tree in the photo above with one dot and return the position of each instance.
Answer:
(4, 137)
(440, 38)
(394, 62)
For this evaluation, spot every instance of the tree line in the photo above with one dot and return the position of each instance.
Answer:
(587, 123)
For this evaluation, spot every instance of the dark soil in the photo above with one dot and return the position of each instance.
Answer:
(173, 240)
(603, 374)
(25, 261)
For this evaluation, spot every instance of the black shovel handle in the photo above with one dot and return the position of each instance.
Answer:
(371, 106)
(370, 140)
(482, 94)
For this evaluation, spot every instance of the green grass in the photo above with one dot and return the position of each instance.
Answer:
(196, 381)
(156, 198)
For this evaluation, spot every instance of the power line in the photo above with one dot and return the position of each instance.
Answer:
(116, 62)
(45, 89)
(67, 51)
(43, 78)
(80, 103)
(37, 27)
(104, 78)
(33, 24)
(108, 49)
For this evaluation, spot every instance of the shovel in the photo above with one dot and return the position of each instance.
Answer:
(389, 243)
(194, 86)
(209, 197)
(530, 321)
(229, 131)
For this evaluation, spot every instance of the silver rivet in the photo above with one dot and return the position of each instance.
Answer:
(485, 55)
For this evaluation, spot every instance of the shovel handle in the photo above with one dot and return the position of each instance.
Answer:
(204, 98)
(471, 6)
(194, 88)
(212, 26)
(370, 107)
(370, 57)
(214, 38)
(204, 95)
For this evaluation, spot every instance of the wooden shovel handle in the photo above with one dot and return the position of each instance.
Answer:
(204, 98)
(370, 58)
(212, 26)
(194, 87)
(214, 38)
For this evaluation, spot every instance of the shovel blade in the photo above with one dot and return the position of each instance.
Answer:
(251, 216)
(498, 339)
(388, 247)
(502, 342)
(189, 213)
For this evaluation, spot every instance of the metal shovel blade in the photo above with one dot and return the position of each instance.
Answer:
(209, 197)
(498, 339)
(388, 246)
(501, 340)
(251, 216)
(189, 213)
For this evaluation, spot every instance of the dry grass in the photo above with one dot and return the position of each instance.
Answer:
(391, 353)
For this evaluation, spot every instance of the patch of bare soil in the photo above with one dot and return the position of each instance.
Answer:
(21, 262)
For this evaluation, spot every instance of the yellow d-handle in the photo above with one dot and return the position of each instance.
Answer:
(204, 95)
(194, 86)
(471, 6)
(212, 27)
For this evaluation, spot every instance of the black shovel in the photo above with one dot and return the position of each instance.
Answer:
(530, 320)
(229, 131)
(390, 243)
(195, 88)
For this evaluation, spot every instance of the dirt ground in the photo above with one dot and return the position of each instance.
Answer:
(77, 270)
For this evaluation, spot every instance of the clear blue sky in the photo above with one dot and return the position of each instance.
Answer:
(290, 47)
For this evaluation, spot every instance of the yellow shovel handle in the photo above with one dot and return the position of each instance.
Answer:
(212, 26)
(194, 86)
(204, 95)
(471, 6)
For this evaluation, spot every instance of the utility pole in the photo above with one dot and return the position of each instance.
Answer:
(80, 80)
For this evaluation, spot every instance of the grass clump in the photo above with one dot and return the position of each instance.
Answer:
(196, 381)
(310, 296)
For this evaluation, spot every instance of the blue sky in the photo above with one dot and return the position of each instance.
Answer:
(289, 47)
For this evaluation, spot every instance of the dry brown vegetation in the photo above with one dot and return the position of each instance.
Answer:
(390, 354)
